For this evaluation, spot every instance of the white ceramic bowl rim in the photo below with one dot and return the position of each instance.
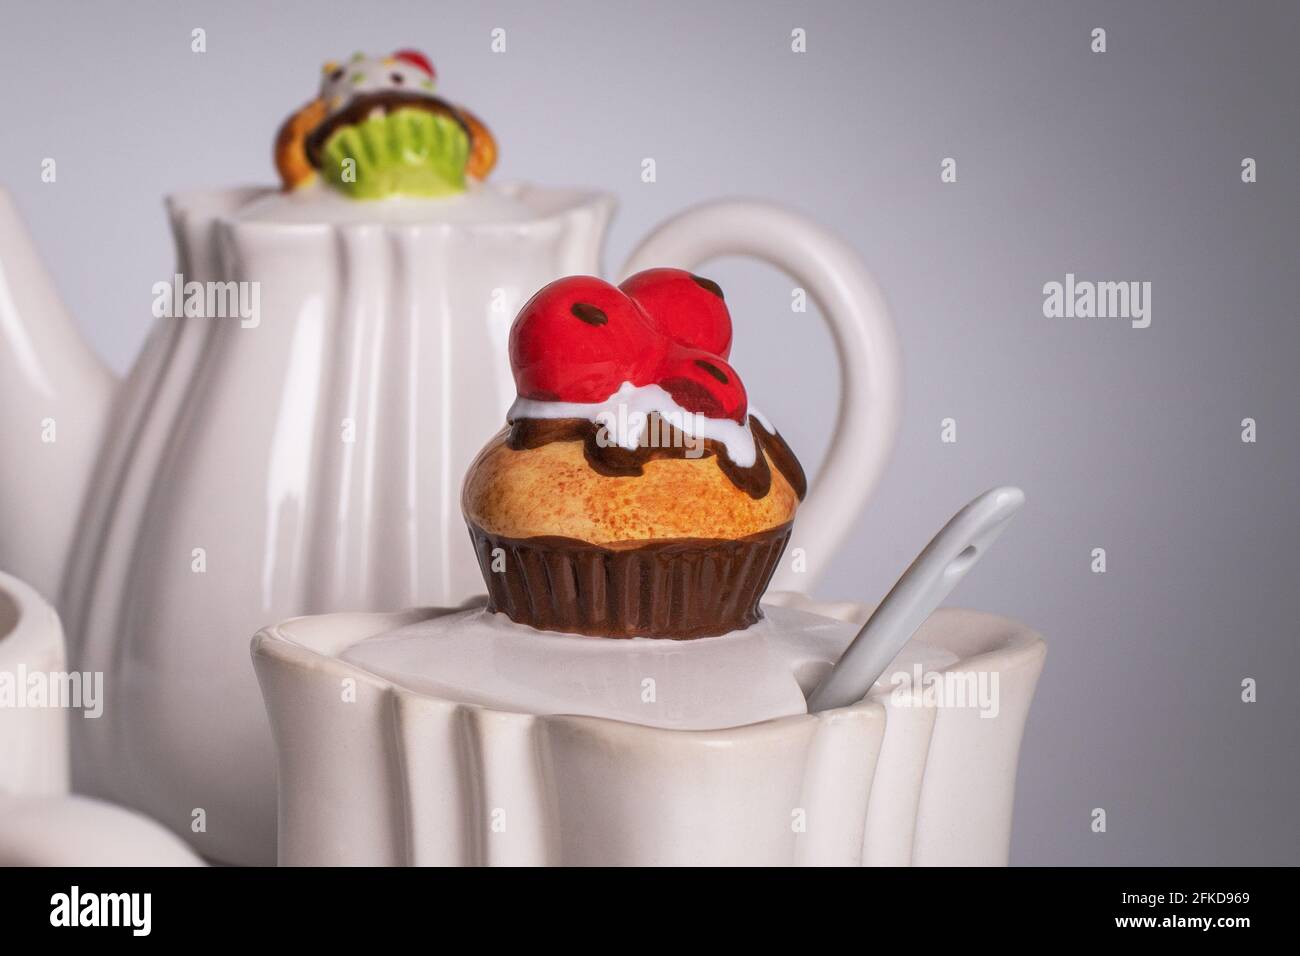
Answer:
(553, 204)
(980, 640)
(26, 621)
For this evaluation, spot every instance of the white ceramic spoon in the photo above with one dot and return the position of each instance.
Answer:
(932, 576)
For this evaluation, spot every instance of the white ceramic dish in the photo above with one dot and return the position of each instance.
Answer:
(376, 772)
(33, 739)
(79, 831)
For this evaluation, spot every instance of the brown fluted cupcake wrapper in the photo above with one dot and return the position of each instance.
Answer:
(679, 589)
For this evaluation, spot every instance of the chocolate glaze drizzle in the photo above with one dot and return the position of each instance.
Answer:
(609, 459)
(363, 105)
(782, 456)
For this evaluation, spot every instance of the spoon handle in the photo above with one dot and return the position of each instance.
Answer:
(946, 559)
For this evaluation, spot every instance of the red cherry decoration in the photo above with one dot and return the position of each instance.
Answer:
(687, 308)
(418, 60)
(578, 339)
(703, 383)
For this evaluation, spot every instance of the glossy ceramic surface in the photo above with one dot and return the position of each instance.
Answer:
(33, 740)
(40, 824)
(379, 771)
(79, 831)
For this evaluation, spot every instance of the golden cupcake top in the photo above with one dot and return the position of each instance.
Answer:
(634, 491)
(635, 379)
(377, 128)
(553, 488)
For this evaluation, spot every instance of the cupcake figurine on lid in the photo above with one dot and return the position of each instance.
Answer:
(634, 491)
(376, 129)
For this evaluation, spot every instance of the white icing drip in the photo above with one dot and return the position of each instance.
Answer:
(626, 413)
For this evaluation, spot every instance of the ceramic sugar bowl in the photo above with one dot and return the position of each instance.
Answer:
(384, 763)
(624, 694)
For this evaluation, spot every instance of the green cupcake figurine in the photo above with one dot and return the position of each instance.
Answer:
(377, 130)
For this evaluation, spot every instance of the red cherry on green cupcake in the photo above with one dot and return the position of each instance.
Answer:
(703, 383)
(580, 338)
(687, 308)
(418, 60)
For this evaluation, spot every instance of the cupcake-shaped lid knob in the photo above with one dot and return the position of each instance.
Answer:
(377, 129)
(634, 492)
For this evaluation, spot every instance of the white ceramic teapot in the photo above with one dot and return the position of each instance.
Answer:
(307, 458)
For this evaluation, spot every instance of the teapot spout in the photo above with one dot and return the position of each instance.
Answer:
(54, 402)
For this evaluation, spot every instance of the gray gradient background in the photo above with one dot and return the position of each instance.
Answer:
(1116, 166)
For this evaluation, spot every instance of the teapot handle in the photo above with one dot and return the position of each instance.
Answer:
(870, 403)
